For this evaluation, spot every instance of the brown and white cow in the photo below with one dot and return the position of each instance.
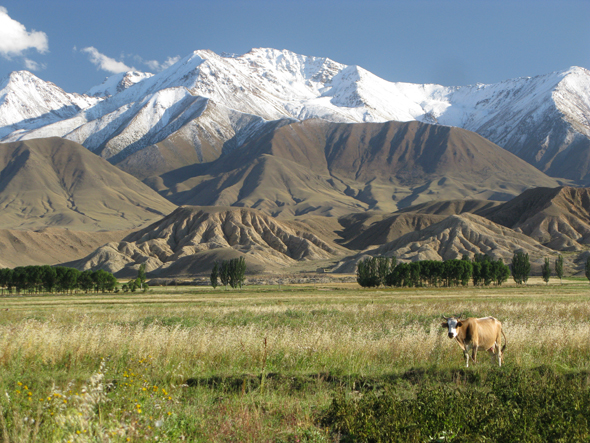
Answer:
(477, 334)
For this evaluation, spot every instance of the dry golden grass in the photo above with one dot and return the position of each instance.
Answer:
(307, 329)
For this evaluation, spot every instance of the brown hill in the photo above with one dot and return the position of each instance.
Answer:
(333, 169)
(384, 229)
(368, 229)
(452, 207)
(556, 217)
(455, 236)
(50, 246)
(56, 182)
(191, 239)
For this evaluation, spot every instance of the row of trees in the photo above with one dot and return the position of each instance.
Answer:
(377, 271)
(138, 282)
(230, 272)
(546, 269)
(38, 279)
(483, 271)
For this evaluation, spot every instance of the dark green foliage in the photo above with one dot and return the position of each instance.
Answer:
(487, 271)
(39, 279)
(400, 276)
(48, 278)
(232, 272)
(559, 267)
(433, 273)
(384, 267)
(67, 279)
(85, 281)
(373, 271)
(478, 258)
(521, 267)
(237, 271)
(514, 404)
(224, 273)
(414, 269)
(214, 275)
(6, 279)
(456, 272)
(546, 271)
(587, 268)
(140, 280)
(501, 272)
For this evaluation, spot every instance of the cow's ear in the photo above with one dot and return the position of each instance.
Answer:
(444, 325)
(459, 324)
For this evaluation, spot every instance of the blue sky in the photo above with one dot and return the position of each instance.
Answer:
(76, 44)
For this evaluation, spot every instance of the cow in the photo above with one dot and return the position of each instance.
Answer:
(477, 334)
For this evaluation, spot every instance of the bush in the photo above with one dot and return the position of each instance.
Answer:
(505, 405)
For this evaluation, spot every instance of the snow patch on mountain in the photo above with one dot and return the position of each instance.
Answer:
(117, 83)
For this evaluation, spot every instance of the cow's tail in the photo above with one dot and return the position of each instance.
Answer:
(505, 341)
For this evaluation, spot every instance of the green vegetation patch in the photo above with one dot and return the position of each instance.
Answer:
(510, 404)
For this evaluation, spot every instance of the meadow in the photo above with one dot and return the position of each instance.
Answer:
(316, 363)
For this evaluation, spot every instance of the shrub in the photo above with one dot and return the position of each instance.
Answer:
(505, 405)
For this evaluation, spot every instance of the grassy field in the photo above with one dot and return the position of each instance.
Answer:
(317, 363)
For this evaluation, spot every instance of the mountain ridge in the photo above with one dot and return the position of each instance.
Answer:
(545, 120)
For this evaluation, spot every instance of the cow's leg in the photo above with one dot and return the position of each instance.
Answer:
(492, 354)
(474, 356)
(466, 355)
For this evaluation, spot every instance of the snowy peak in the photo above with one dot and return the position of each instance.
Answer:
(117, 83)
(24, 96)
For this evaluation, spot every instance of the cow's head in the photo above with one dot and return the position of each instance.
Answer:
(451, 323)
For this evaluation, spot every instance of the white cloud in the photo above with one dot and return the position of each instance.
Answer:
(156, 66)
(15, 39)
(105, 63)
(32, 65)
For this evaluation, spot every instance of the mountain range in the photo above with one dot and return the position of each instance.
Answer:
(293, 162)
(208, 104)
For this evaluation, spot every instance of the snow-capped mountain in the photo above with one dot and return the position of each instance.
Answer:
(25, 97)
(117, 83)
(207, 103)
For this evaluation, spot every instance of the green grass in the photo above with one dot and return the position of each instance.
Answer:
(317, 363)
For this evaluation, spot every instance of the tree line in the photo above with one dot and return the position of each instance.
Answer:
(50, 279)
(385, 271)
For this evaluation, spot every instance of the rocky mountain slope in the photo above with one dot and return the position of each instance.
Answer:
(56, 182)
(191, 239)
(557, 217)
(328, 168)
(211, 103)
(453, 237)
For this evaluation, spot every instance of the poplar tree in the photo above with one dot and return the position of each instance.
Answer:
(521, 267)
(546, 271)
(559, 267)
(214, 275)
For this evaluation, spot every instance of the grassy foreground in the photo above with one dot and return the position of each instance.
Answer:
(317, 363)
